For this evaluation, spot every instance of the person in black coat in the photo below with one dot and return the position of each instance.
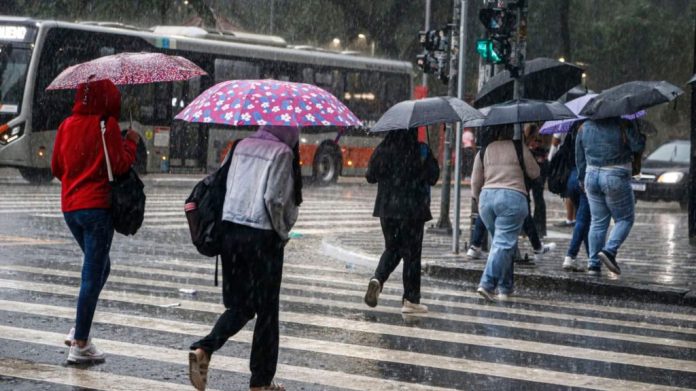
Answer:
(404, 170)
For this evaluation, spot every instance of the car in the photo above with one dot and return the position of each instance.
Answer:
(664, 174)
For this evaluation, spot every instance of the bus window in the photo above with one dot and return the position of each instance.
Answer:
(308, 75)
(14, 61)
(361, 94)
(226, 69)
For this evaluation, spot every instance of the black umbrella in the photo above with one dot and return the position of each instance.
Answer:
(629, 98)
(524, 110)
(575, 93)
(420, 112)
(692, 80)
(544, 78)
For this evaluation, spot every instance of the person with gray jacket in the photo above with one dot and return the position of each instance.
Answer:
(264, 191)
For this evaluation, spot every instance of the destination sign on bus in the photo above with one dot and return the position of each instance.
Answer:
(13, 33)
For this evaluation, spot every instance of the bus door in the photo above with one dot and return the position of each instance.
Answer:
(188, 142)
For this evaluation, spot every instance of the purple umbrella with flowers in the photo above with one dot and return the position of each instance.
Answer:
(576, 105)
(268, 102)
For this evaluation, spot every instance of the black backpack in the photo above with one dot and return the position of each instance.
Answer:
(204, 210)
(127, 195)
(560, 166)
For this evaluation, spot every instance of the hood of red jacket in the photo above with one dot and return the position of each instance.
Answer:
(99, 97)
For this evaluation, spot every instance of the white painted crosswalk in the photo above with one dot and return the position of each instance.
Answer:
(329, 339)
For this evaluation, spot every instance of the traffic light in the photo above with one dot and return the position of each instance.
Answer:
(500, 24)
(434, 58)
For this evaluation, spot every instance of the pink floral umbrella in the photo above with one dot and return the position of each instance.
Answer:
(268, 102)
(128, 68)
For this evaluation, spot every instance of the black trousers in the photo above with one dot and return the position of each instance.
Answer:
(252, 265)
(537, 190)
(403, 239)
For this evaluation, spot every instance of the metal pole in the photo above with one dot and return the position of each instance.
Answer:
(461, 69)
(692, 169)
(444, 224)
(518, 91)
(427, 27)
(271, 18)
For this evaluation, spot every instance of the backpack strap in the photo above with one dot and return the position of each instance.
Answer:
(102, 126)
(520, 159)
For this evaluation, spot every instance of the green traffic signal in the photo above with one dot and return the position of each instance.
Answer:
(486, 50)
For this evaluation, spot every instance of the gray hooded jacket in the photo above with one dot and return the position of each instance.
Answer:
(260, 188)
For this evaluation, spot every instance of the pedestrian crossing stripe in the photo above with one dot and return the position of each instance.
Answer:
(325, 347)
(361, 326)
(219, 362)
(82, 378)
(8, 240)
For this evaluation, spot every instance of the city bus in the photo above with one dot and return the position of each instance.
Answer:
(33, 52)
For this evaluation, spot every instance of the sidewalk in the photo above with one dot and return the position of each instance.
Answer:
(657, 262)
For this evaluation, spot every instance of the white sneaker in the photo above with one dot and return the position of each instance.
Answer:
(69, 338)
(503, 297)
(545, 248)
(413, 308)
(89, 353)
(474, 252)
(572, 265)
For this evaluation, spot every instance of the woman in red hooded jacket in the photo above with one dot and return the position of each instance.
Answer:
(79, 163)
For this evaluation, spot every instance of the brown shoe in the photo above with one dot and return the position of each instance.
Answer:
(198, 368)
(271, 387)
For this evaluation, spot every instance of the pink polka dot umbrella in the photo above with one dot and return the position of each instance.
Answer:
(268, 102)
(128, 68)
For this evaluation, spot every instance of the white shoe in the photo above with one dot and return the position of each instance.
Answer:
(503, 297)
(89, 353)
(69, 338)
(572, 265)
(413, 308)
(474, 252)
(545, 248)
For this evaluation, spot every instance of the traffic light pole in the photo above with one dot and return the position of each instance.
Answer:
(444, 225)
(461, 78)
(692, 169)
(519, 58)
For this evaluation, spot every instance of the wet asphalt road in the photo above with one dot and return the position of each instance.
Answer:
(329, 339)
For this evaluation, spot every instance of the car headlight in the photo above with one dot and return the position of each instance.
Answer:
(671, 177)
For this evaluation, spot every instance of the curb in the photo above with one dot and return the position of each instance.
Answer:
(619, 290)
(528, 278)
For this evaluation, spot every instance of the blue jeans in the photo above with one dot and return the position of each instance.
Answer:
(582, 215)
(610, 196)
(503, 211)
(93, 229)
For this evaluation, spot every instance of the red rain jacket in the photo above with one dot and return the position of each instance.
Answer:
(78, 155)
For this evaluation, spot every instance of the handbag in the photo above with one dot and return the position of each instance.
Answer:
(127, 195)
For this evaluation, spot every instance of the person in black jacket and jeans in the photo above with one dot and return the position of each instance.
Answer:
(404, 170)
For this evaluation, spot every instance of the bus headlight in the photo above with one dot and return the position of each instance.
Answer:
(671, 177)
(8, 135)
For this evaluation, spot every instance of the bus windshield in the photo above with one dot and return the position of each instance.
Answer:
(14, 62)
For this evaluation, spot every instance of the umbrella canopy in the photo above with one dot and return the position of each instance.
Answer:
(544, 78)
(268, 102)
(575, 93)
(576, 105)
(628, 98)
(692, 80)
(420, 112)
(524, 110)
(128, 68)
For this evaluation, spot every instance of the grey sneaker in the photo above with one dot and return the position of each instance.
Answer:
(413, 308)
(572, 265)
(88, 354)
(609, 261)
(474, 252)
(545, 248)
(69, 338)
(373, 290)
(485, 294)
(503, 296)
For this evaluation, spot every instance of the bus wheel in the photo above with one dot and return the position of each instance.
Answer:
(36, 176)
(140, 164)
(326, 167)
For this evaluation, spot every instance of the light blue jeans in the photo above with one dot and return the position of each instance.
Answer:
(503, 211)
(610, 196)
